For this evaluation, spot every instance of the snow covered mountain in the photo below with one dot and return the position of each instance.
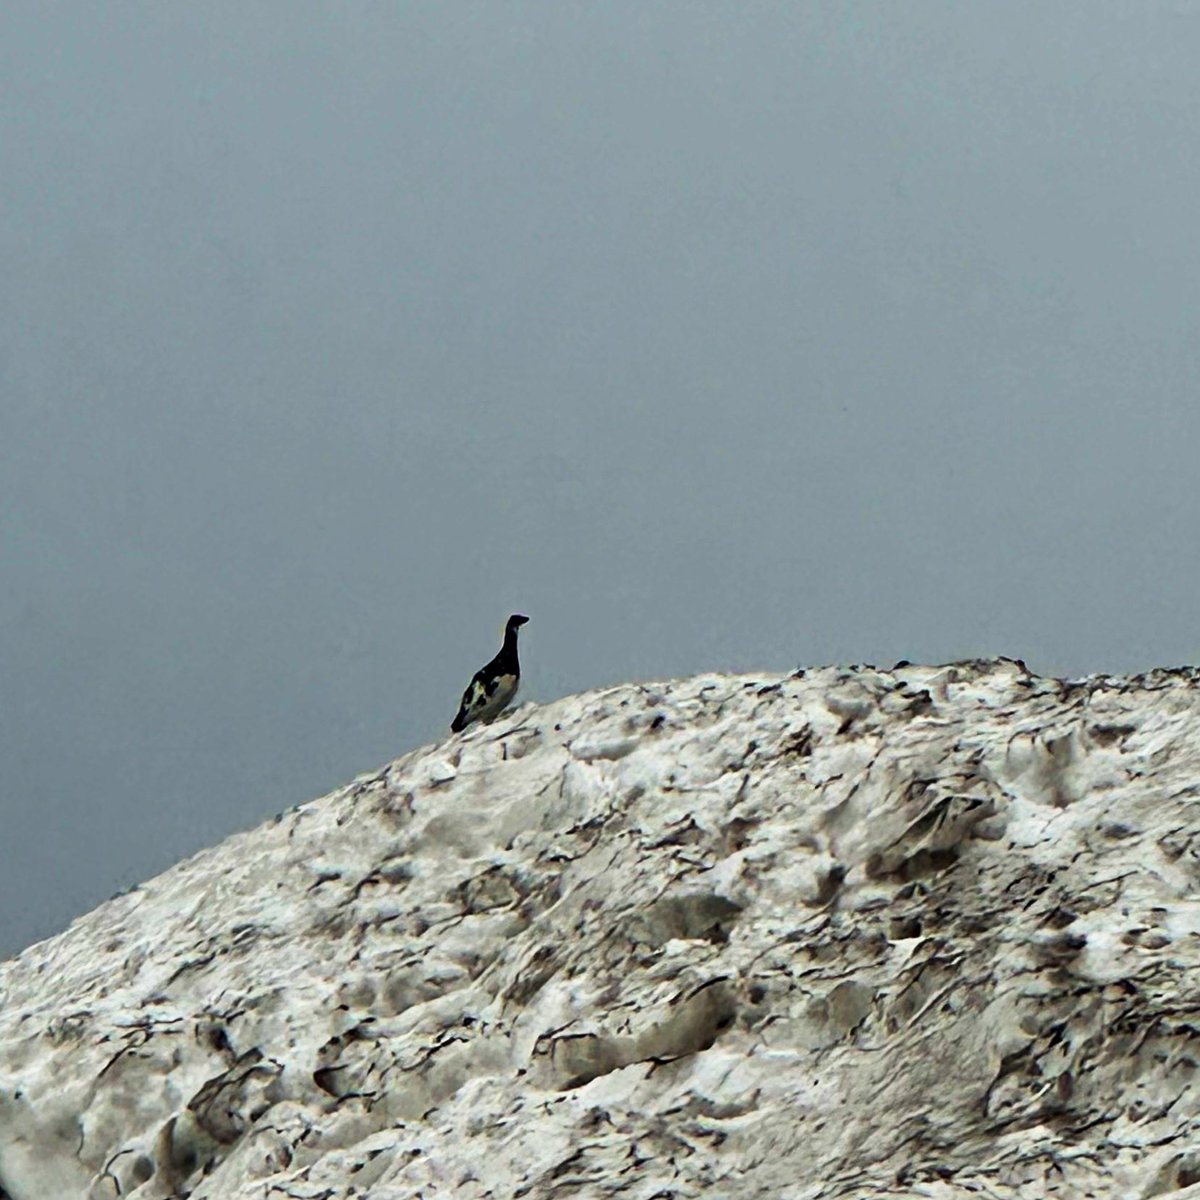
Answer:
(930, 932)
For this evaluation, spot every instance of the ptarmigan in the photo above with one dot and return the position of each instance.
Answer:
(493, 687)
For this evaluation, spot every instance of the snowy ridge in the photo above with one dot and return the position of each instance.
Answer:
(930, 932)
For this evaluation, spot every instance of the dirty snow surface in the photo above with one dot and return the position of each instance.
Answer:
(929, 932)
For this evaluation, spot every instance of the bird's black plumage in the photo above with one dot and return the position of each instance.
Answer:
(493, 687)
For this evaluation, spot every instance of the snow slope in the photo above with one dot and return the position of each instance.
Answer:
(930, 932)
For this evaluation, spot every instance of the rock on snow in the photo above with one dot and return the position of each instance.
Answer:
(930, 932)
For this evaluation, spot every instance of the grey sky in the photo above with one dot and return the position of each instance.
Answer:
(709, 335)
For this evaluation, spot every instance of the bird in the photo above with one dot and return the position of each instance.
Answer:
(492, 688)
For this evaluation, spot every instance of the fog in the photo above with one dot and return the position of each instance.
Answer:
(709, 336)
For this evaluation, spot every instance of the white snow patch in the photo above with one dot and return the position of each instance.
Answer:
(930, 932)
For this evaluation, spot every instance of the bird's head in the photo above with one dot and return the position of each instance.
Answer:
(515, 622)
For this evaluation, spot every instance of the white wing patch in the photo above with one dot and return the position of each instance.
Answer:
(486, 701)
